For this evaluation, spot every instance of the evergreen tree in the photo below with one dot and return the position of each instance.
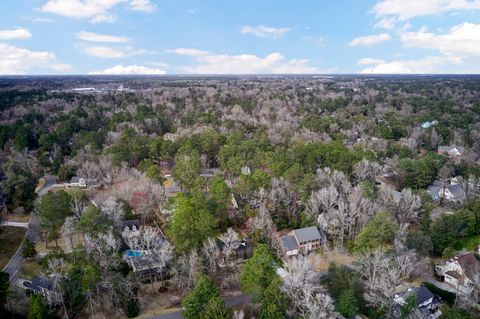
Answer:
(258, 272)
(195, 303)
(347, 303)
(216, 309)
(4, 287)
(37, 308)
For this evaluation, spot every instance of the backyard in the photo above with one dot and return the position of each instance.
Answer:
(321, 262)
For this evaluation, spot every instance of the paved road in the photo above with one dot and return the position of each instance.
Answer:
(49, 183)
(231, 302)
(33, 228)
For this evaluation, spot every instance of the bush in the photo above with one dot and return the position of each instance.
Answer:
(132, 308)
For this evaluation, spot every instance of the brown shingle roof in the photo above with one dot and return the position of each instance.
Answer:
(469, 264)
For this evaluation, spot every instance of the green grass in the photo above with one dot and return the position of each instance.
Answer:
(10, 240)
(467, 243)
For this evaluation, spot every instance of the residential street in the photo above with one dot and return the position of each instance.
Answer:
(33, 228)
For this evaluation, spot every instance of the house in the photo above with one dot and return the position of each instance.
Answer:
(76, 182)
(166, 168)
(146, 262)
(82, 182)
(209, 172)
(454, 152)
(451, 192)
(303, 240)
(426, 301)
(460, 271)
(130, 224)
(428, 124)
(44, 286)
(246, 170)
(172, 188)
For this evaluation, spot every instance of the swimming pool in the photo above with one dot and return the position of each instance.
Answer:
(133, 253)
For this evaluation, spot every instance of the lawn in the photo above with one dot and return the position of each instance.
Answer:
(10, 240)
(30, 269)
(467, 243)
(42, 250)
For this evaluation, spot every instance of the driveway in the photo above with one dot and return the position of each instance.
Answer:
(15, 224)
(50, 181)
(231, 302)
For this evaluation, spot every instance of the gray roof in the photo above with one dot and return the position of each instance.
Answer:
(129, 223)
(307, 234)
(434, 191)
(39, 283)
(75, 179)
(423, 294)
(457, 191)
(289, 242)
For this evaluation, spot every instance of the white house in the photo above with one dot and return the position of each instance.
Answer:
(454, 152)
(460, 271)
(77, 182)
(450, 192)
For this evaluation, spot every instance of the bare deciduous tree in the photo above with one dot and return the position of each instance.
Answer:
(383, 273)
(185, 270)
(366, 170)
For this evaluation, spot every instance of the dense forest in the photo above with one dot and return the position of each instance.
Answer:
(187, 190)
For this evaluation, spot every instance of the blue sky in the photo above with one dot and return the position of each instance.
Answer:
(235, 37)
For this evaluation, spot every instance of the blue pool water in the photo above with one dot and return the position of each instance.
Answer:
(133, 253)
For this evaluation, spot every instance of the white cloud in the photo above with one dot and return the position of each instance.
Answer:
(95, 10)
(14, 60)
(104, 18)
(142, 5)
(407, 9)
(428, 65)
(370, 61)
(130, 69)
(97, 37)
(319, 41)
(463, 39)
(274, 63)
(12, 34)
(370, 39)
(189, 52)
(264, 31)
(386, 23)
(101, 51)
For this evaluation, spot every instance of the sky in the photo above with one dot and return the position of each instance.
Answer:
(239, 37)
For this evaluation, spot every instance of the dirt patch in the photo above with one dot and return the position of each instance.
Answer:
(155, 303)
(30, 269)
(322, 261)
(18, 218)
